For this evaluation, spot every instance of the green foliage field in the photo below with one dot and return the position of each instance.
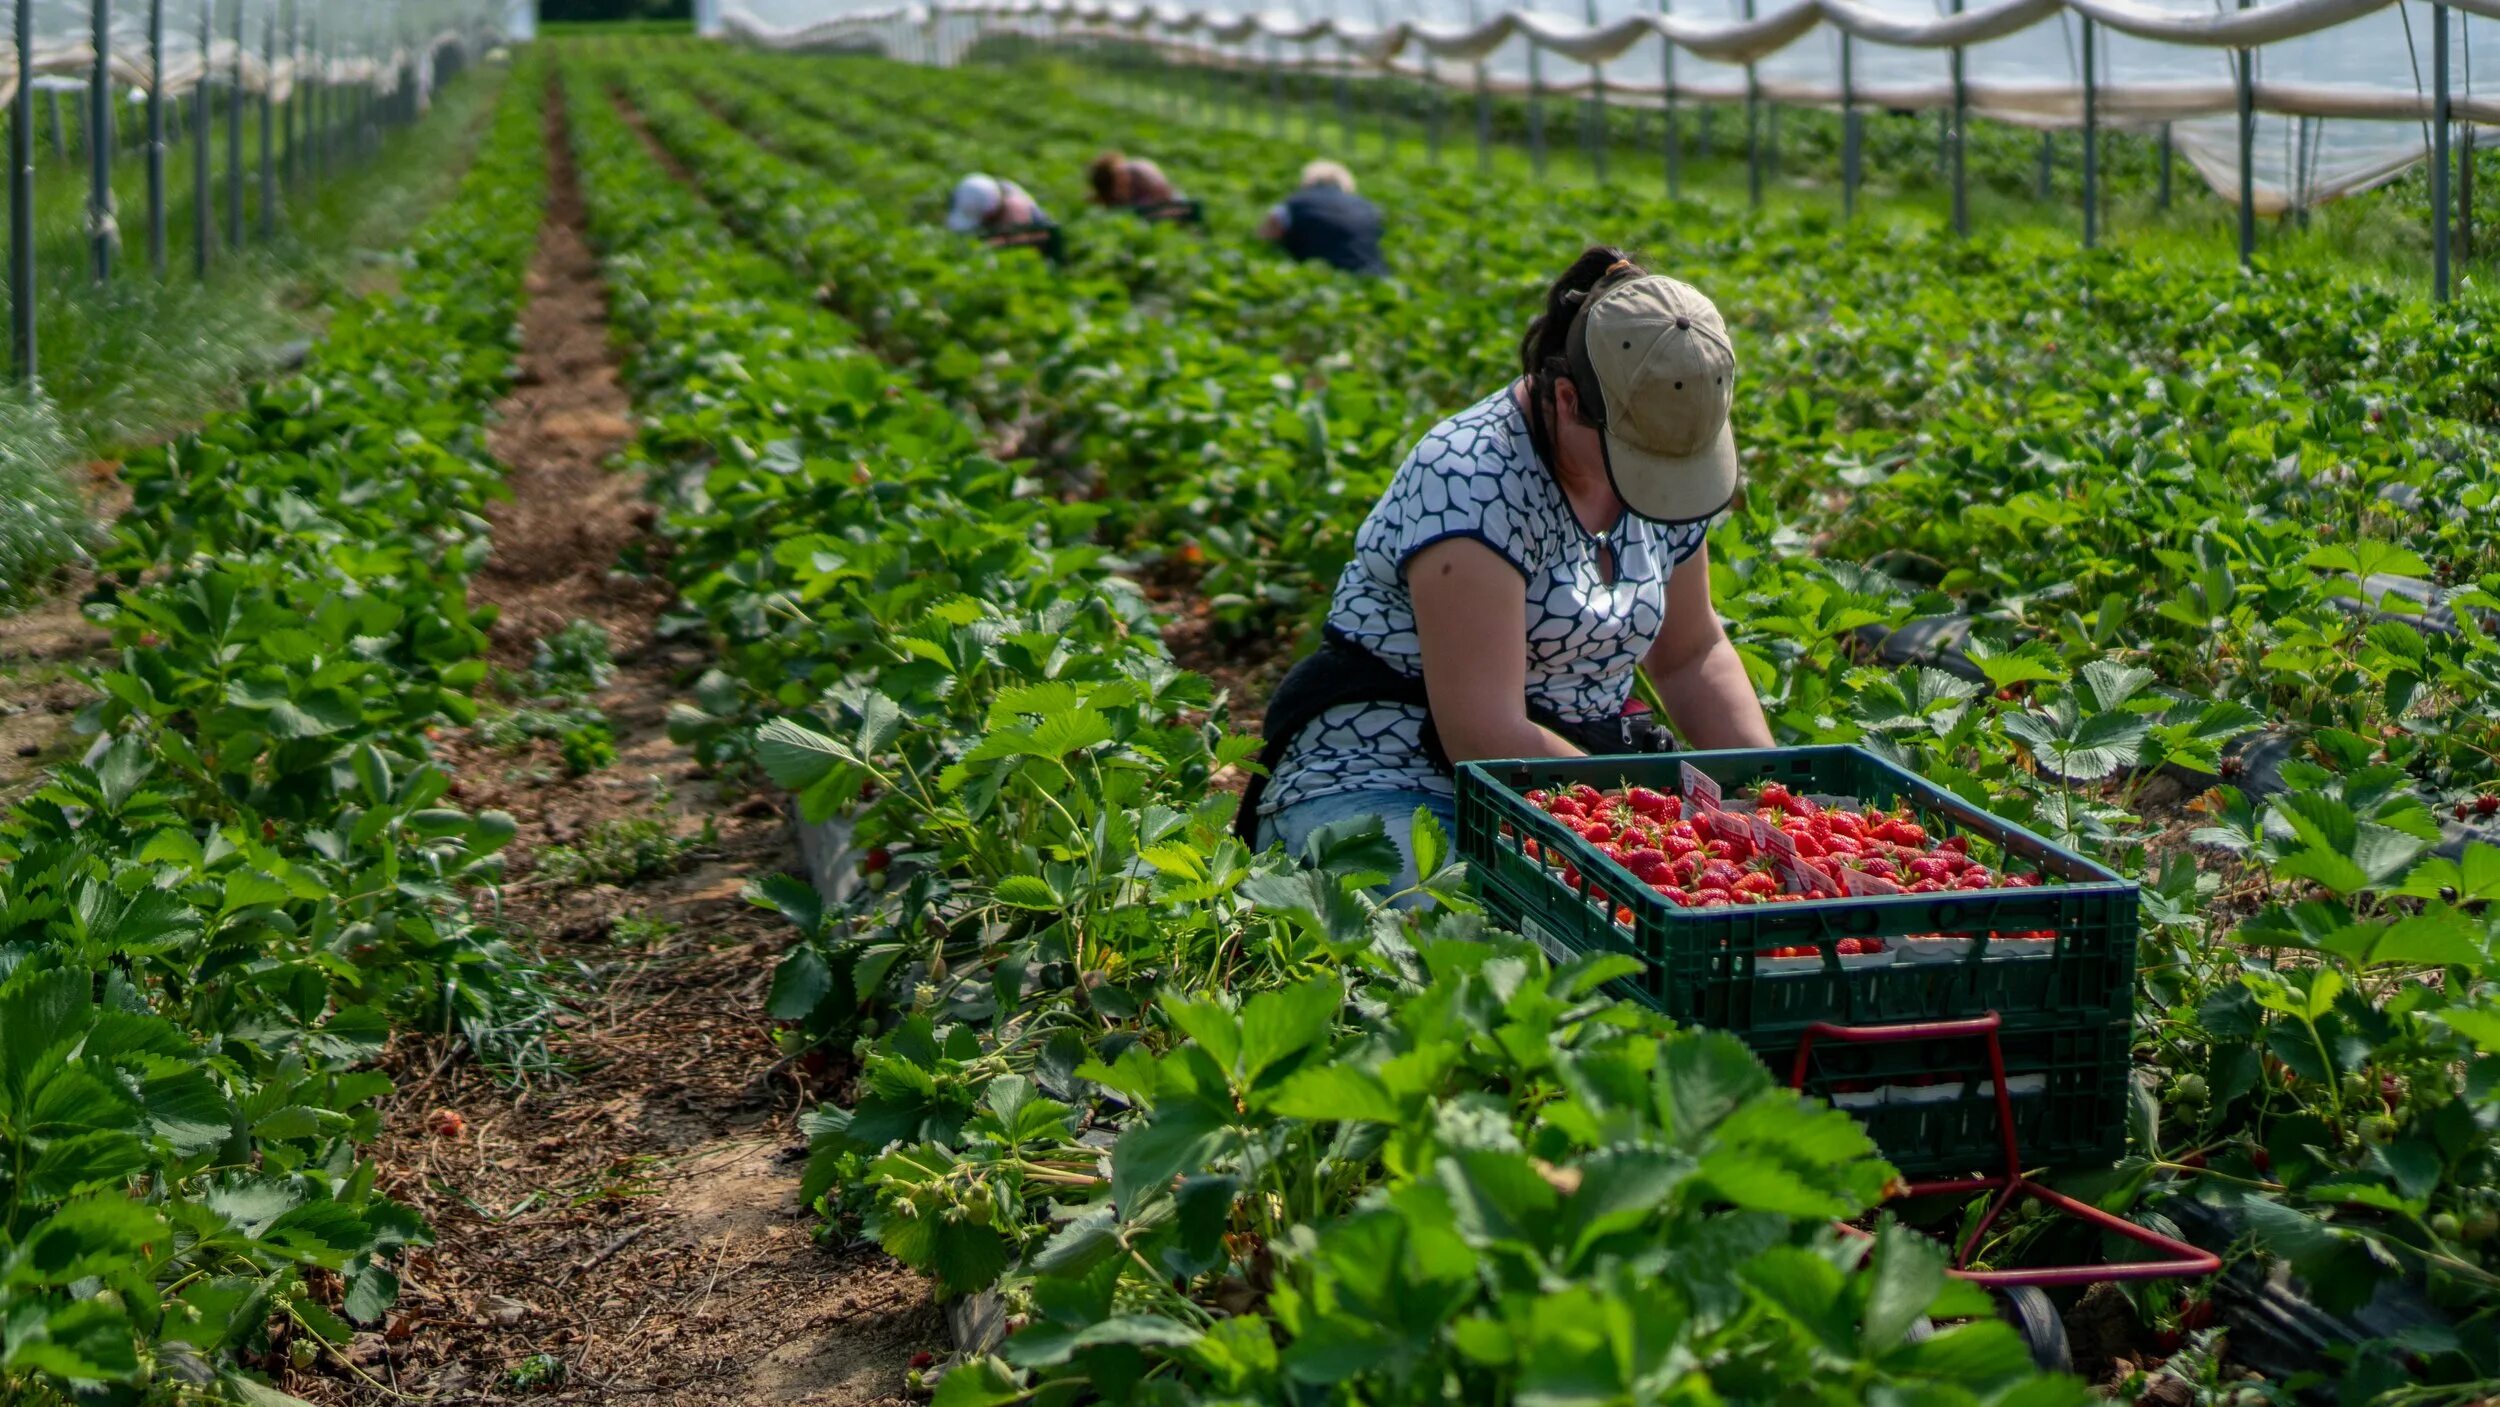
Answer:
(2147, 492)
(1221, 1126)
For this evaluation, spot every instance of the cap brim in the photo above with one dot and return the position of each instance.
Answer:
(1670, 489)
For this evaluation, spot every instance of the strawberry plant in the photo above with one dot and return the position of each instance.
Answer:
(212, 923)
(2159, 521)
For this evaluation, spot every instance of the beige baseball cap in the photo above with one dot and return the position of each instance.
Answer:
(1660, 357)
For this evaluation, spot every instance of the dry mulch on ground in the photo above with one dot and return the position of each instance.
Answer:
(627, 1231)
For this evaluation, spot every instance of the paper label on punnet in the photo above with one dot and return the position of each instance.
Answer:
(1701, 788)
(1802, 876)
(1859, 882)
(1774, 841)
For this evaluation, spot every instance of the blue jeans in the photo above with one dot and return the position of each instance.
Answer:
(1396, 810)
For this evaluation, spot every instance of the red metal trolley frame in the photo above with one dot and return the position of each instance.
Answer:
(2177, 1260)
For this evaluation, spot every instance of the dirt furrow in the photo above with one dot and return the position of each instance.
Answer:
(624, 1224)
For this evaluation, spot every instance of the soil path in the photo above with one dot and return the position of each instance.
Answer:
(42, 649)
(627, 1230)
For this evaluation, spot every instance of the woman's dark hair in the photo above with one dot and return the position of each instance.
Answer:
(1545, 353)
(1109, 172)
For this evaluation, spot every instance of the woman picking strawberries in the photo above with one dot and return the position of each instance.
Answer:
(1532, 553)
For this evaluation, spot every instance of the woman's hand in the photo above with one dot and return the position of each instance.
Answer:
(1471, 623)
(1699, 678)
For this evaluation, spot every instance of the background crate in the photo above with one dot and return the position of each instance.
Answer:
(1702, 963)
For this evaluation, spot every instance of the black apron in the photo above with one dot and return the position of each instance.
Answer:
(1343, 672)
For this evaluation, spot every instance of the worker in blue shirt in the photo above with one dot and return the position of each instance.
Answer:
(1327, 221)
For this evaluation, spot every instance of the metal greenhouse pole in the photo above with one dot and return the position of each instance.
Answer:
(2439, 153)
(100, 234)
(1593, 116)
(1306, 88)
(2164, 197)
(1276, 85)
(1389, 95)
(1957, 144)
(2091, 136)
(1484, 100)
(1753, 125)
(1536, 108)
(2465, 184)
(22, 201)
(1208, 76)
(203, 138)
(316, 164)
(2247, 80)
(363, 98)
(1673, 123)
(2300, 173)
(268, 117)
(1439, 114)
(1851, 129)
(292, 115)
(234, 139)
(156, 137)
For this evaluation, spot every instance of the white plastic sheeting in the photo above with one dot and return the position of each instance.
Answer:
(2341, 88)
(378, 43)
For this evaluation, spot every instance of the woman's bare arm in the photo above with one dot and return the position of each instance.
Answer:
(1699, 678)
(1471, 620)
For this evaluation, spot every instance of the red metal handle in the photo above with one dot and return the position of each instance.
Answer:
(2177, 1260)
(2177, 1257)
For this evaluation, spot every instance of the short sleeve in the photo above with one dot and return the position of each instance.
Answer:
(1458, 483)
(1687, 539)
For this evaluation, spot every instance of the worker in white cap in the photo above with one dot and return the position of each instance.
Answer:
(986, 205)
(1533, 553)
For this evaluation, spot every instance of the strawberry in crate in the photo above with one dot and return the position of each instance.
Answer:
(1722, 854)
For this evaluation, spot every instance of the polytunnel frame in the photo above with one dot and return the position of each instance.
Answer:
(330, 106)
(921, 26)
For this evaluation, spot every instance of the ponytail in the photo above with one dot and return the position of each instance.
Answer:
(1545, 353)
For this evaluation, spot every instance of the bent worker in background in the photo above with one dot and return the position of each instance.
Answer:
(1130, 183)
(1327, 221)
(990, 207)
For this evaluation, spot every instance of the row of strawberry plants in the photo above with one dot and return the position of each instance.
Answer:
(2087, 434)
(210, 926)
(2289, 1012)
(1219, 1127)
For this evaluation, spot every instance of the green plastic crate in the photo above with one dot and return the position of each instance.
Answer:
(1930, 1104)
(1702, 964)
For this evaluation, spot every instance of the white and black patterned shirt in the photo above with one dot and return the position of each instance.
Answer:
(1476, 475)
